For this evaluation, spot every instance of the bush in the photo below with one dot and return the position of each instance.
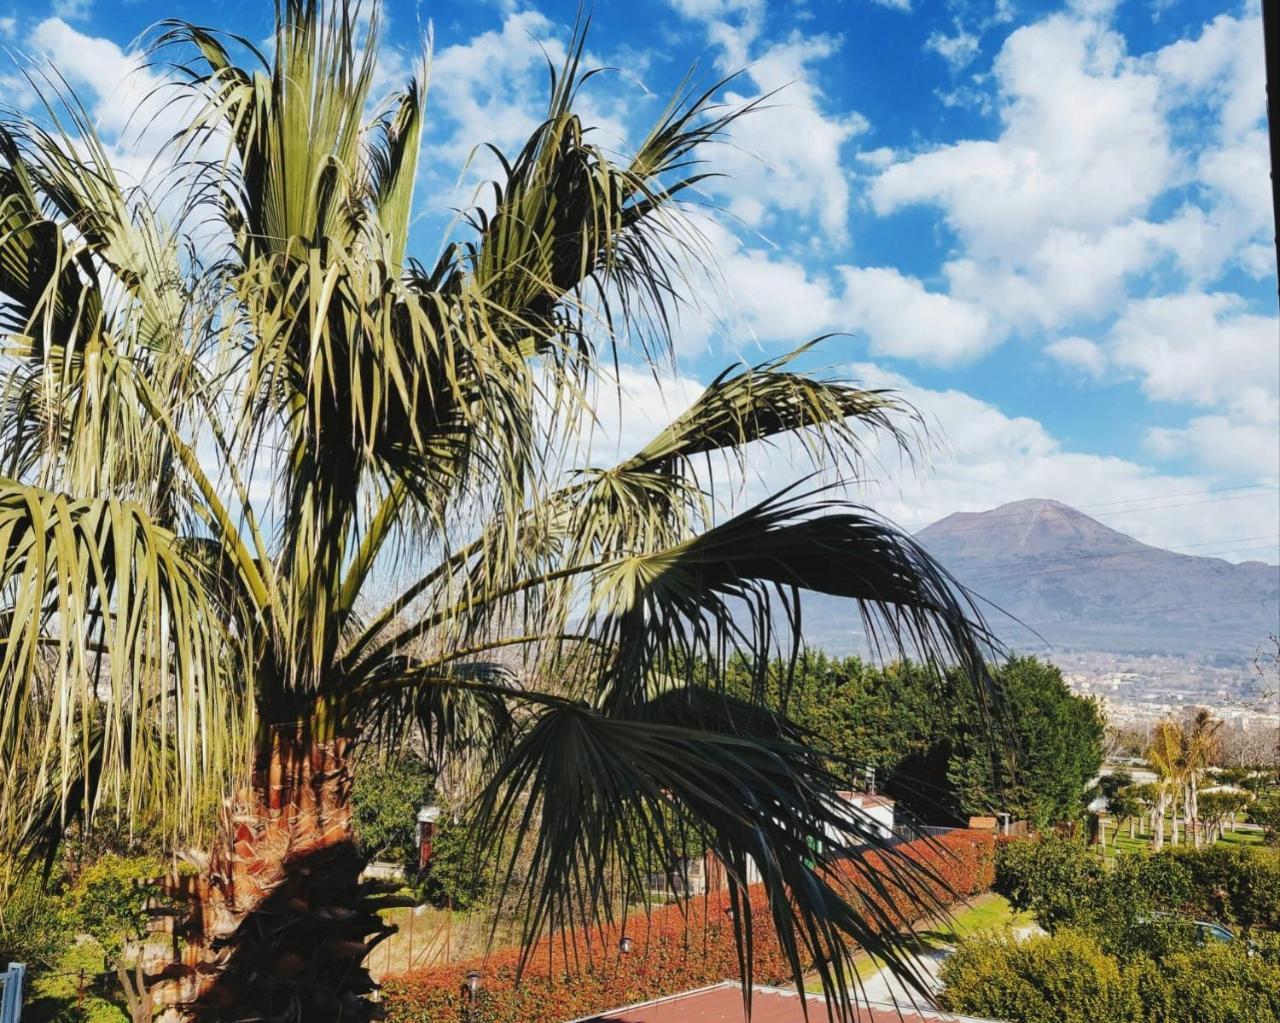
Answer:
(109, 899)
(676, 948)
(33, 924)
(1050, 877)
(1060, 978)
(1065, 884)
(1220, 983)
(1237, 885)
(385, 800)
(1068, 977)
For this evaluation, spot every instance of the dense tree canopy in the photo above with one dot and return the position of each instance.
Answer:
(932, 747)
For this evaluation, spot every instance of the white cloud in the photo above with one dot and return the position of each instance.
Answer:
(494, 86)
(8, 27)
(1083, 146)
(787, 156)
(902, 318)
(894, 5)
(119, 81)
(1223, 444)
(749, 295)
(958, 50)
(76, 10)
(1203, 349)
(1079, 353)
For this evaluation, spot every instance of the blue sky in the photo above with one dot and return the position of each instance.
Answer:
(1048, 225)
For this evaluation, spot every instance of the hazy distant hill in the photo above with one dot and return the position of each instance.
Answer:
(1082, 585)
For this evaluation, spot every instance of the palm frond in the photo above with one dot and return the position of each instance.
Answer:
(662, 610)
(595, 800)
(109, 666)
(765, 401)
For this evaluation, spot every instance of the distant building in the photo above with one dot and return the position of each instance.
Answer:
(722, 1003)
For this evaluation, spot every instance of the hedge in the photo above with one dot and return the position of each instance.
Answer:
(676, 948)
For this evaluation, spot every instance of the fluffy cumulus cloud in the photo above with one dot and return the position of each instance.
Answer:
(1083, 146)
(1054, 216)
(787, 157)
(1079, 353)
(757, 296)
(902, 318)
(1105, 216)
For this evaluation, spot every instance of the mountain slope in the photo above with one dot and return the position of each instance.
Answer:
(1075, 583)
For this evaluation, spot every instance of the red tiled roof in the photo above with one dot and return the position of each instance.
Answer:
(723, 1004)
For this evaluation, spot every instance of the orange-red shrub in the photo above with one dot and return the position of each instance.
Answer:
(675, 949)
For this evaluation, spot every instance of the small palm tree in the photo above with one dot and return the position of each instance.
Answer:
(184, 645)
(1165, 755)
(1200, 746)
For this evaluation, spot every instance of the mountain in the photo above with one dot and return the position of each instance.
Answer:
(1073, 583)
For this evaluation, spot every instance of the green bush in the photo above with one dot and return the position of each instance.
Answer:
(385, 800)
(1220, 983)
(34, 928)
(1050, 877)
(1060, 978)
(1266, 812)
(109, 899)
(1238, 885)
(1068, 977)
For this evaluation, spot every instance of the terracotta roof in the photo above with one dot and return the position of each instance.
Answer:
(722, 1003)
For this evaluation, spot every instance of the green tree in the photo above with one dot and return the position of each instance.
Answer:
(216, 645)
(1265, 811)
(1051, 877)
(385, 801)
(1125, 805)
(1048, 751)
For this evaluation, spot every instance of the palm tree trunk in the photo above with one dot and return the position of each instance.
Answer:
(1133, 827)
(278, 921)
(1192, 804)
(1157, 824)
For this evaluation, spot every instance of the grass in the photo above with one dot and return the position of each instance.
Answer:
(982, 914)
(428, 936)
(1118, 839)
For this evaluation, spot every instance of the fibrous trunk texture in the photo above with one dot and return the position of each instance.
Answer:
(278, 923)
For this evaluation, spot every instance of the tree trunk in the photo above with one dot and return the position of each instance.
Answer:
(1157, 824)
(1133, 827)
(1192, 804)
(278, 922)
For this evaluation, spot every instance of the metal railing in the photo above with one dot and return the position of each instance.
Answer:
(11, 982)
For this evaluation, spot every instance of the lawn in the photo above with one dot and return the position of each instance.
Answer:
(1118, 839)
(983, 913)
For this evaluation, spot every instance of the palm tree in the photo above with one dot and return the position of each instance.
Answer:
(1165, 755)
(185, 644)
(1200, 746)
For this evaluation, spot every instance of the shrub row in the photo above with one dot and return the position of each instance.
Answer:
(676, 948)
